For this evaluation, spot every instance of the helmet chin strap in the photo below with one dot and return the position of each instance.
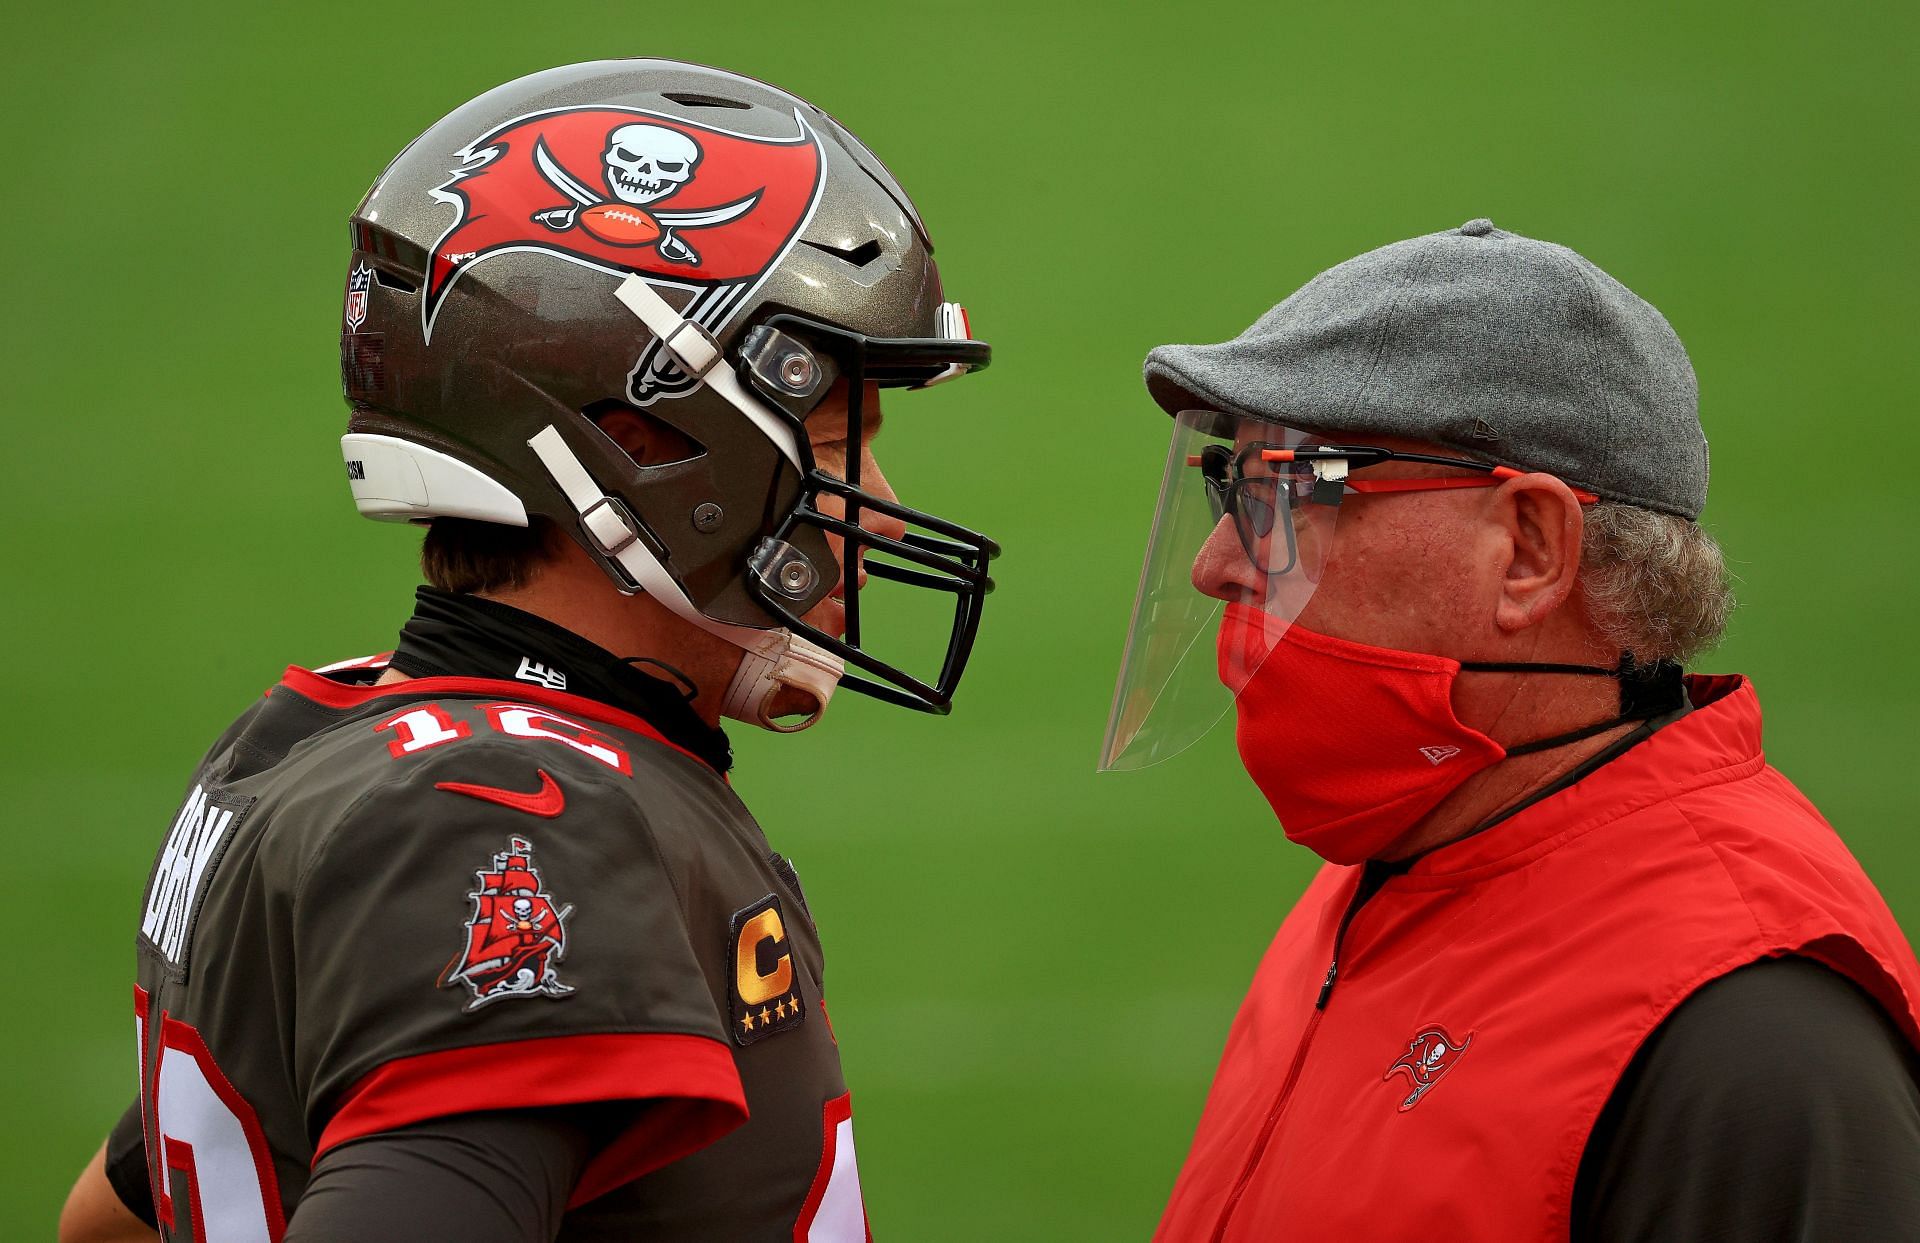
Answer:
(770, 660)
(796, 663)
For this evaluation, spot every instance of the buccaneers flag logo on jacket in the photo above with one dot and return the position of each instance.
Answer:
(625, 190)
(1430, 1054)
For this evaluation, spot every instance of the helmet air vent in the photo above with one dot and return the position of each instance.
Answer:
(393, 280)
(690, 100)
(858, 257)
(649, 440)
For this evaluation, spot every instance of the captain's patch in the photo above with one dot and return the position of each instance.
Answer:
(766, 993)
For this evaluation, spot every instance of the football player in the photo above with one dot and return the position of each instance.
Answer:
(473, 940)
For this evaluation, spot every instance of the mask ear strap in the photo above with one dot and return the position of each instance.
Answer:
(1528, 666)
(1646, 691)
(1650, 690)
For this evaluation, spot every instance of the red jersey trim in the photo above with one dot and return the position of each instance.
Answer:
(329, 693)
(836, 1111)
(694, 1092)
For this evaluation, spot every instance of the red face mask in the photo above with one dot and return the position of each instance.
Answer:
(1351, 744)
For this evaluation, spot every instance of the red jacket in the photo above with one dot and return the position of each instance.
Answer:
(1488, 1000)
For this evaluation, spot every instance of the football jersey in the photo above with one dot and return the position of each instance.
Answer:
(379, 905)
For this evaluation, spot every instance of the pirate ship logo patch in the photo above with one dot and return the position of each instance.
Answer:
(1429, 1056)
(687, 206)
(515, 935)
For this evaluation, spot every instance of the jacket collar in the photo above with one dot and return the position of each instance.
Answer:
(1718, 741)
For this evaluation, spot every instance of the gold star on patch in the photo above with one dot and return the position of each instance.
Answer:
(780, 1008)
(765, 1014)
(747, 1022)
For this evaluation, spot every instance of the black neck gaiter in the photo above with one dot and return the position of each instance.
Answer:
(465, 636)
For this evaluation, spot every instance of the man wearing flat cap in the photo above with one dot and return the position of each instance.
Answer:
(1580, 964)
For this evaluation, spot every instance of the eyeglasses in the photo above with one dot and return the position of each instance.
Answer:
(1252, 483)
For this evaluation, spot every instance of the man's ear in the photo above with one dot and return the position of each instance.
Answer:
(1544, 527)
(647, 440)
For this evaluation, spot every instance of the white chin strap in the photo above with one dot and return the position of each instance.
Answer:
(772, 660)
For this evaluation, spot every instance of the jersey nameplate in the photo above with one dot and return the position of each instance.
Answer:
(193, 848)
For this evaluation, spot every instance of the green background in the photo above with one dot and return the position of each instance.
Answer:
(1033, 967)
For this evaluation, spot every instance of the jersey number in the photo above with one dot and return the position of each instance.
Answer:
(203, 1141)
(429, 725)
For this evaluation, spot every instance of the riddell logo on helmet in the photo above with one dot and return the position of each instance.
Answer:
(622, 190)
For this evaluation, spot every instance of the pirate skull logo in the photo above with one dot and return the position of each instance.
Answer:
(646, 163)
(1430, 1054)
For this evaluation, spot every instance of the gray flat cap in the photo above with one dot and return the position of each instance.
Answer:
(1506, 349)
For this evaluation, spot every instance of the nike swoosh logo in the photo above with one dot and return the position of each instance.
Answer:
(547, 801)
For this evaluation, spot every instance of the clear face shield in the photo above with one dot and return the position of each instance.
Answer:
(1242, 533)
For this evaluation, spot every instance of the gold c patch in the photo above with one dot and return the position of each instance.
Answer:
(766, 995)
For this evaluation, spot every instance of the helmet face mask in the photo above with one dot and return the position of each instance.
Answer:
(485, 309)
(932, 554)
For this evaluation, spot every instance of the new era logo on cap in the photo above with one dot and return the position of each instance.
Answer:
(1438, 755)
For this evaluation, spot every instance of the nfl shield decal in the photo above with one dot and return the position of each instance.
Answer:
(358, 282)
(625, 190)
(515, 936)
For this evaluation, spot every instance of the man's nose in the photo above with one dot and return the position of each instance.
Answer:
(872, 481)
(1221, 569)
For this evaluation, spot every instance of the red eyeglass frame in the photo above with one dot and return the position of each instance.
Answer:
(1328, 490)
(1372, 455)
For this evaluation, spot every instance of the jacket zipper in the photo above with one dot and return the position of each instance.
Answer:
(1370, 882)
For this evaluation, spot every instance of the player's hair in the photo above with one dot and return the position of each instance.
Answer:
(1654, 584)
(460, 555)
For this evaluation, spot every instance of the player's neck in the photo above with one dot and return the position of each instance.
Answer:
(454, 635)
(573, 593)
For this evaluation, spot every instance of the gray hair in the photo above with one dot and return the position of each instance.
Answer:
(1654, 584)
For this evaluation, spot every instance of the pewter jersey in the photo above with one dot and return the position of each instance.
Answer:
(382, 905)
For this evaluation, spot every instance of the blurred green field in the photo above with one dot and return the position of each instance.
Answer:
(1031, 967)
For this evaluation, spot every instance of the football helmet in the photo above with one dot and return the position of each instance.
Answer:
(701, 247)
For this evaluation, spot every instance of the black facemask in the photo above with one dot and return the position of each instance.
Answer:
(465, 636)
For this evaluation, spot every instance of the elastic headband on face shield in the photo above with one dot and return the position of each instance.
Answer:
(1320, 475)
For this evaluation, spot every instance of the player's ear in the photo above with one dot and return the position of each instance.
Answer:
(1542, 527)
(649, 441)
